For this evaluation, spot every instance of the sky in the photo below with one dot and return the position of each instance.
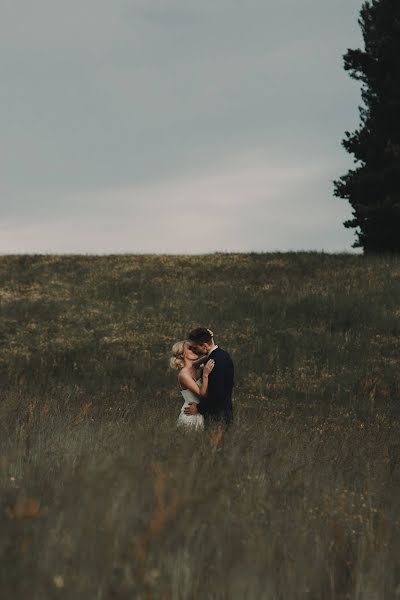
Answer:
(174, 126)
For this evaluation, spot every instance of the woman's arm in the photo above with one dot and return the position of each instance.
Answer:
(204, 386)
(208, 367)
(187, 380)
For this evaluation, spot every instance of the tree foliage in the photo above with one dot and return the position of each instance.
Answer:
(373, 186)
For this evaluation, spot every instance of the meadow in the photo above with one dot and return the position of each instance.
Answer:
(103, 498)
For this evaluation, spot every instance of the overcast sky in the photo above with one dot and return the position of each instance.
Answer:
(175, 126)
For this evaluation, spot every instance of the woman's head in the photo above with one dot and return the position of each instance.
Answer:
(180, 352)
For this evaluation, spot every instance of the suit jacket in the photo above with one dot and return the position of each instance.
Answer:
(217, 406)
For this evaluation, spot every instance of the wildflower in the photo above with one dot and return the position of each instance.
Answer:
(58, 581)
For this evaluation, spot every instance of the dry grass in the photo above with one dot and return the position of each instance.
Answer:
(103, 497)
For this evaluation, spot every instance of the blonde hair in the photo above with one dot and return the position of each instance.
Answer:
(177, 360)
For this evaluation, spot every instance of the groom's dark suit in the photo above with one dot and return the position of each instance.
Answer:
(217, 406)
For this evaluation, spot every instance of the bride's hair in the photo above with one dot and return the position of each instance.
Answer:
(177, 360)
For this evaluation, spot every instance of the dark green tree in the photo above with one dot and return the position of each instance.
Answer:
(373, 187)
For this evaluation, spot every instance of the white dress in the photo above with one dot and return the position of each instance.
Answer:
(190, 421)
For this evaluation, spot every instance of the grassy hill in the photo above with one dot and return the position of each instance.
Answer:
(103, 498)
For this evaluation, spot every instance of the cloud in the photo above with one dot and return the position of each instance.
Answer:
(250, 206)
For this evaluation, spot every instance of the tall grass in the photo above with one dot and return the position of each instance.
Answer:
(103, 497)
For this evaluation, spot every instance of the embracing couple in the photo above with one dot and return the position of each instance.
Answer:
(206, 380)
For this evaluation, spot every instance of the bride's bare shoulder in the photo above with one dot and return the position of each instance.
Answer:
(183, 373)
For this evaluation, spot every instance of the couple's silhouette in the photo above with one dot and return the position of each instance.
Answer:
(206, 380)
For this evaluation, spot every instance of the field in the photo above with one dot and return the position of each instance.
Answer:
(103, 498)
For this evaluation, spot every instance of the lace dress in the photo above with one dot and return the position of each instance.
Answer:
(190, 421)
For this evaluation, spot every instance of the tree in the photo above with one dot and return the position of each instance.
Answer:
(373, 187)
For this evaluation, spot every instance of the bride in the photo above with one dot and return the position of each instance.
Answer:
(193, 386)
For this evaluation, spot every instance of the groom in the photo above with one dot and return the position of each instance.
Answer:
(216, 407)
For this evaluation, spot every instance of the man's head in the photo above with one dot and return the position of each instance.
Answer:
(201, 340)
